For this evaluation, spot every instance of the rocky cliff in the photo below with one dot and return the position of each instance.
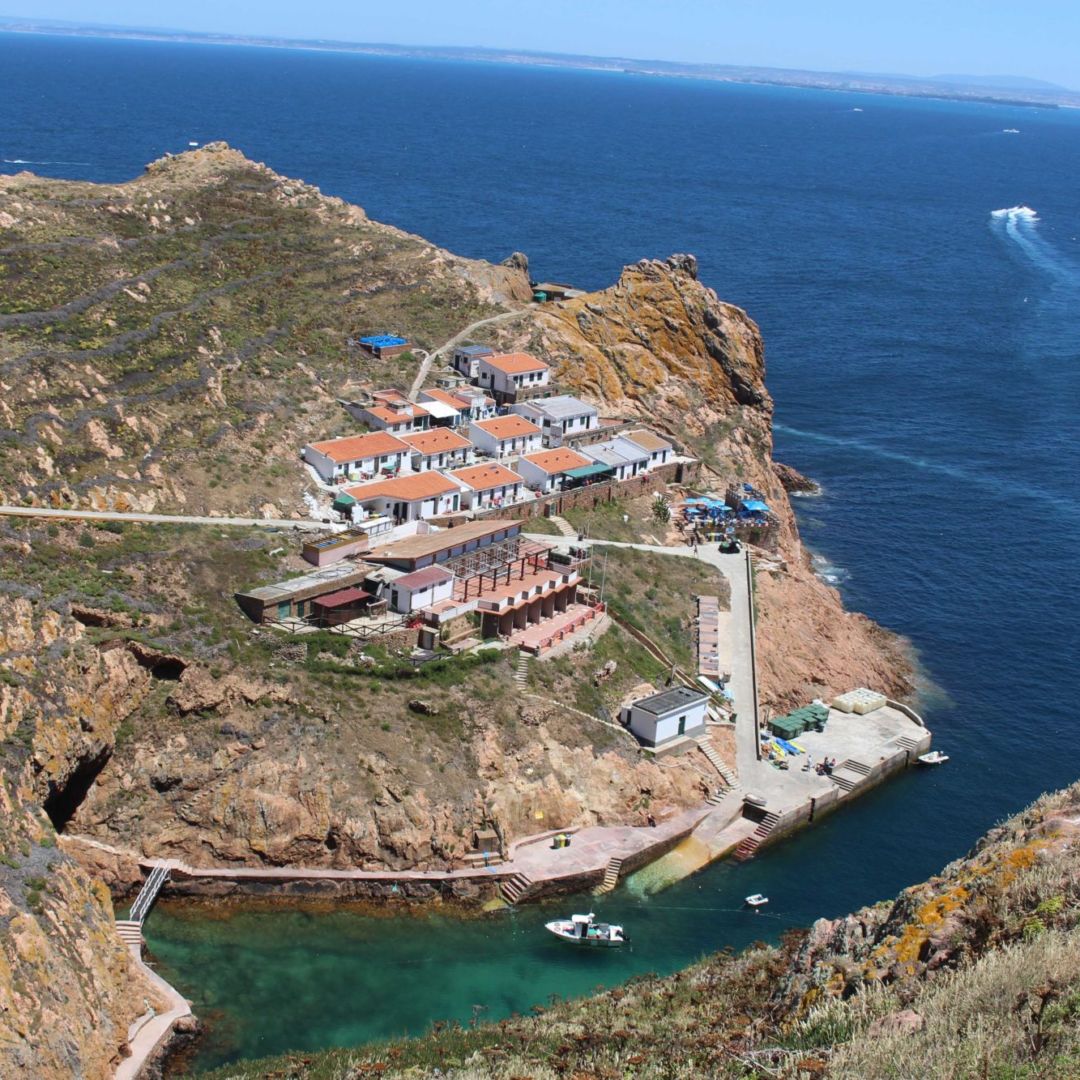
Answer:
(68, 990)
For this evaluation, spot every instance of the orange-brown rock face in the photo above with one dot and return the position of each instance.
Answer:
(68, 991)
(660, 345)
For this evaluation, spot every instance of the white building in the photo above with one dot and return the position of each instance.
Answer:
(356, 456)
(546, 470)
(470, 402)
(559, 416)
(659, 719)
(436, 448)
(466, 359)
(508, 374)
(625, 458)
(421, 588)
(407, 498)
(487, 485)
(396, 417)
(660, 450)
(505, 435)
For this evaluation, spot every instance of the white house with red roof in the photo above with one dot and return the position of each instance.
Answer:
(407, 498)
(437, 448)
(487, 485)
(502, 436)
(398, 416)
(420, 589)
(546, 470)
(508, 374)
(356, 457)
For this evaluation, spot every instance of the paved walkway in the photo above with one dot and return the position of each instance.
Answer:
(146, 1039)
(303, 524)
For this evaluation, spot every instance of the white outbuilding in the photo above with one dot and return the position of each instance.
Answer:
(666, 716)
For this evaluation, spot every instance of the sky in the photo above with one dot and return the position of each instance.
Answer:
(1039, 39)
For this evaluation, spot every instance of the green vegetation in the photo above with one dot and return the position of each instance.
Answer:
(605, 521)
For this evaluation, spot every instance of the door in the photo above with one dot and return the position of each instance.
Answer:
(284, 609)
(682, 725)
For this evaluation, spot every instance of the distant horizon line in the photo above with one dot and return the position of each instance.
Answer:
(1020, 89)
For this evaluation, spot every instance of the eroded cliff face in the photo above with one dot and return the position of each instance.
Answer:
(68, 990)
(662, 346)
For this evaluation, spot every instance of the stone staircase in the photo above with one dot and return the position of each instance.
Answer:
(130, 931)
(747, 848)
(515, 888)
(849, 775)
(905, 742)
(717, 762)
(611, 877)
(564, 526)
(521, 672)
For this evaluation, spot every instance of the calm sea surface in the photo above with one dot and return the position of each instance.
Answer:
(923, 338)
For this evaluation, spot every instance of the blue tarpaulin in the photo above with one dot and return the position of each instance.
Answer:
(755, 506)
(383, 341)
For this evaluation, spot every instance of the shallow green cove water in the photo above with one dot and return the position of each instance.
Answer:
(266, 981)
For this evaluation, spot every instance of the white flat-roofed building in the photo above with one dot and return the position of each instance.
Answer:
(545, 470)
(558, 417)
(502, 436)
(668, 715)
(466, 359)
(627, 459)
(659, 449)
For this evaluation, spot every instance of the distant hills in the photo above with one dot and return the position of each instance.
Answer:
(997, 89)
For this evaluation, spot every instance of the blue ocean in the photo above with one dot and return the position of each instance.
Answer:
(915, 269)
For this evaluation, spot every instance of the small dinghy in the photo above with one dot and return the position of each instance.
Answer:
(934, 757)
(585, 930)
(756, 900)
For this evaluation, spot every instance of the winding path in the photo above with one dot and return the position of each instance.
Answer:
(425, 365)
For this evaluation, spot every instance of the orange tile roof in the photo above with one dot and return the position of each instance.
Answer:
(423, 485)
(507, 427)
(393, 416)
(436, 441)
(559, 460)
(515, 363)
(445, 397)
(359, 447)
(485, 477)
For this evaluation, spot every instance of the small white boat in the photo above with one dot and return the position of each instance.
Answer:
(756, 900)
(585, 930)
(933, 757)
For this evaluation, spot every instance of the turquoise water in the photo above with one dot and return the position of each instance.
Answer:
(924, 353)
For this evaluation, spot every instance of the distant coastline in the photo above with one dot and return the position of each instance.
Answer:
(981, 91)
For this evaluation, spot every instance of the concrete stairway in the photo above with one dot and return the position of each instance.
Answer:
(148, 893)
(748, 848)
(849, 775)
(717, 762)
(521, 673)
(905, 742)
(515, 888)
(611, 877)
(564, 526)
(130, 931)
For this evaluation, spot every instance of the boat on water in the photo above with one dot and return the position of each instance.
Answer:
(756, 900)
(585, 930)
(933, 757)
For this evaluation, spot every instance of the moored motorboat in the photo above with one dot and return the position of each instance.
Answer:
(585, 930)
(933, 757)
(756, 900)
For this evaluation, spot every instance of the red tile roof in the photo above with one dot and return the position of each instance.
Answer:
(507, 427)
(424, 579)
(556, 461)
(445, 397)
(436, 441)
(485, 477)
(359, 447)
(425, 485)
(395, 416)
(514, 363)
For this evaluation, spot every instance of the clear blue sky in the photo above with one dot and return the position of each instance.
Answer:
(1040, 39)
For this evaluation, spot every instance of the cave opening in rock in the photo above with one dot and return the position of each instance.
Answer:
(63, 800)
